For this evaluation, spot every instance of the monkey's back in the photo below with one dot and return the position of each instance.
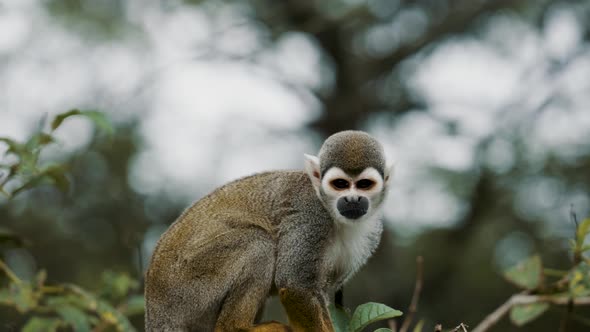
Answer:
(237, 206)
(206, 244)
(246, 202)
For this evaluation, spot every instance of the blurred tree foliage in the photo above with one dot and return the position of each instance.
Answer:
(100, 224)
(46, 306)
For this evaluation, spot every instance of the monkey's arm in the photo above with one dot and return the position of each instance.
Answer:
(301, 276)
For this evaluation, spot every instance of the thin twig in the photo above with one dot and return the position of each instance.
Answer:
(392, 325)
(5, 178)
(554, 272)
(5, 193)
(461, 327)
(416, 296)
(574, 217)
(569, 310)
(13, 277)
(52, 289)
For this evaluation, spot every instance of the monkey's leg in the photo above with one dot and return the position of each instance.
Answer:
(307, 310)
(253, 280)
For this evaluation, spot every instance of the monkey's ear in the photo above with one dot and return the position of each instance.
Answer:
(312, 168)
(389, 170)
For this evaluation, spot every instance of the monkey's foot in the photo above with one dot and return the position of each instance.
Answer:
(270, 327)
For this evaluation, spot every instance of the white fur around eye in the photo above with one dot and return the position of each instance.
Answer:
(337, 173)
(331, 175)
(373, 175)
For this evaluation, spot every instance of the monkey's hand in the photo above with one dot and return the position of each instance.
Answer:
(270, 327)
(306, 310)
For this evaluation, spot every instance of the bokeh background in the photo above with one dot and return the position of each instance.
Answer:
(483, 105)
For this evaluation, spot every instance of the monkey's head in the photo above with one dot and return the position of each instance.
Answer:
(349, 175)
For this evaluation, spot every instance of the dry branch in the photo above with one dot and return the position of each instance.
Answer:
(416, 296)
(460, 328)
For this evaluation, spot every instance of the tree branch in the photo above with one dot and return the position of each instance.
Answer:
(13, 277)
(523, 298)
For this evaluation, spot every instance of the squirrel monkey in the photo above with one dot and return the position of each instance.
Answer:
(301, 234)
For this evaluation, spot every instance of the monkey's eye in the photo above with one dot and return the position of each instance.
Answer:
(365, 184)
(340, 184)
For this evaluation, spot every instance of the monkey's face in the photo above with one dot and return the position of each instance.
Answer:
(348, 197)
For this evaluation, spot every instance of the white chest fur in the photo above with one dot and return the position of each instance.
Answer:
(352, 245)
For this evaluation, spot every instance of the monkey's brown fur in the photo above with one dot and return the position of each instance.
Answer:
(216, 265)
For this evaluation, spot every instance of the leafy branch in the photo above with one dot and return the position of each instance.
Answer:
(67, 305)
(537, 295)
(55, 307)
(572, 289)
(26, 170)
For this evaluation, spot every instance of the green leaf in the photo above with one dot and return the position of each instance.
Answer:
(371, 312)
(581, 232)
(573, 244)
(74, 317)
(527, 274)
(57, 173)
(5, 297)
(383, 329)
(27, 160)
(14, 147)
(52, 174)
(38, 140)
(116, 286)
(111, 315)
(135, 305)
(56, 302)
(105, 311)
(99, 119)
(521, 314)
(41, 324)
(40, 278)
(24, 297)
(45, 139)
(580, 280)
(32, 182)
(555, 272)
(340, 318)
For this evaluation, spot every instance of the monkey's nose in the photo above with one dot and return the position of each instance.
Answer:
(353, 207)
